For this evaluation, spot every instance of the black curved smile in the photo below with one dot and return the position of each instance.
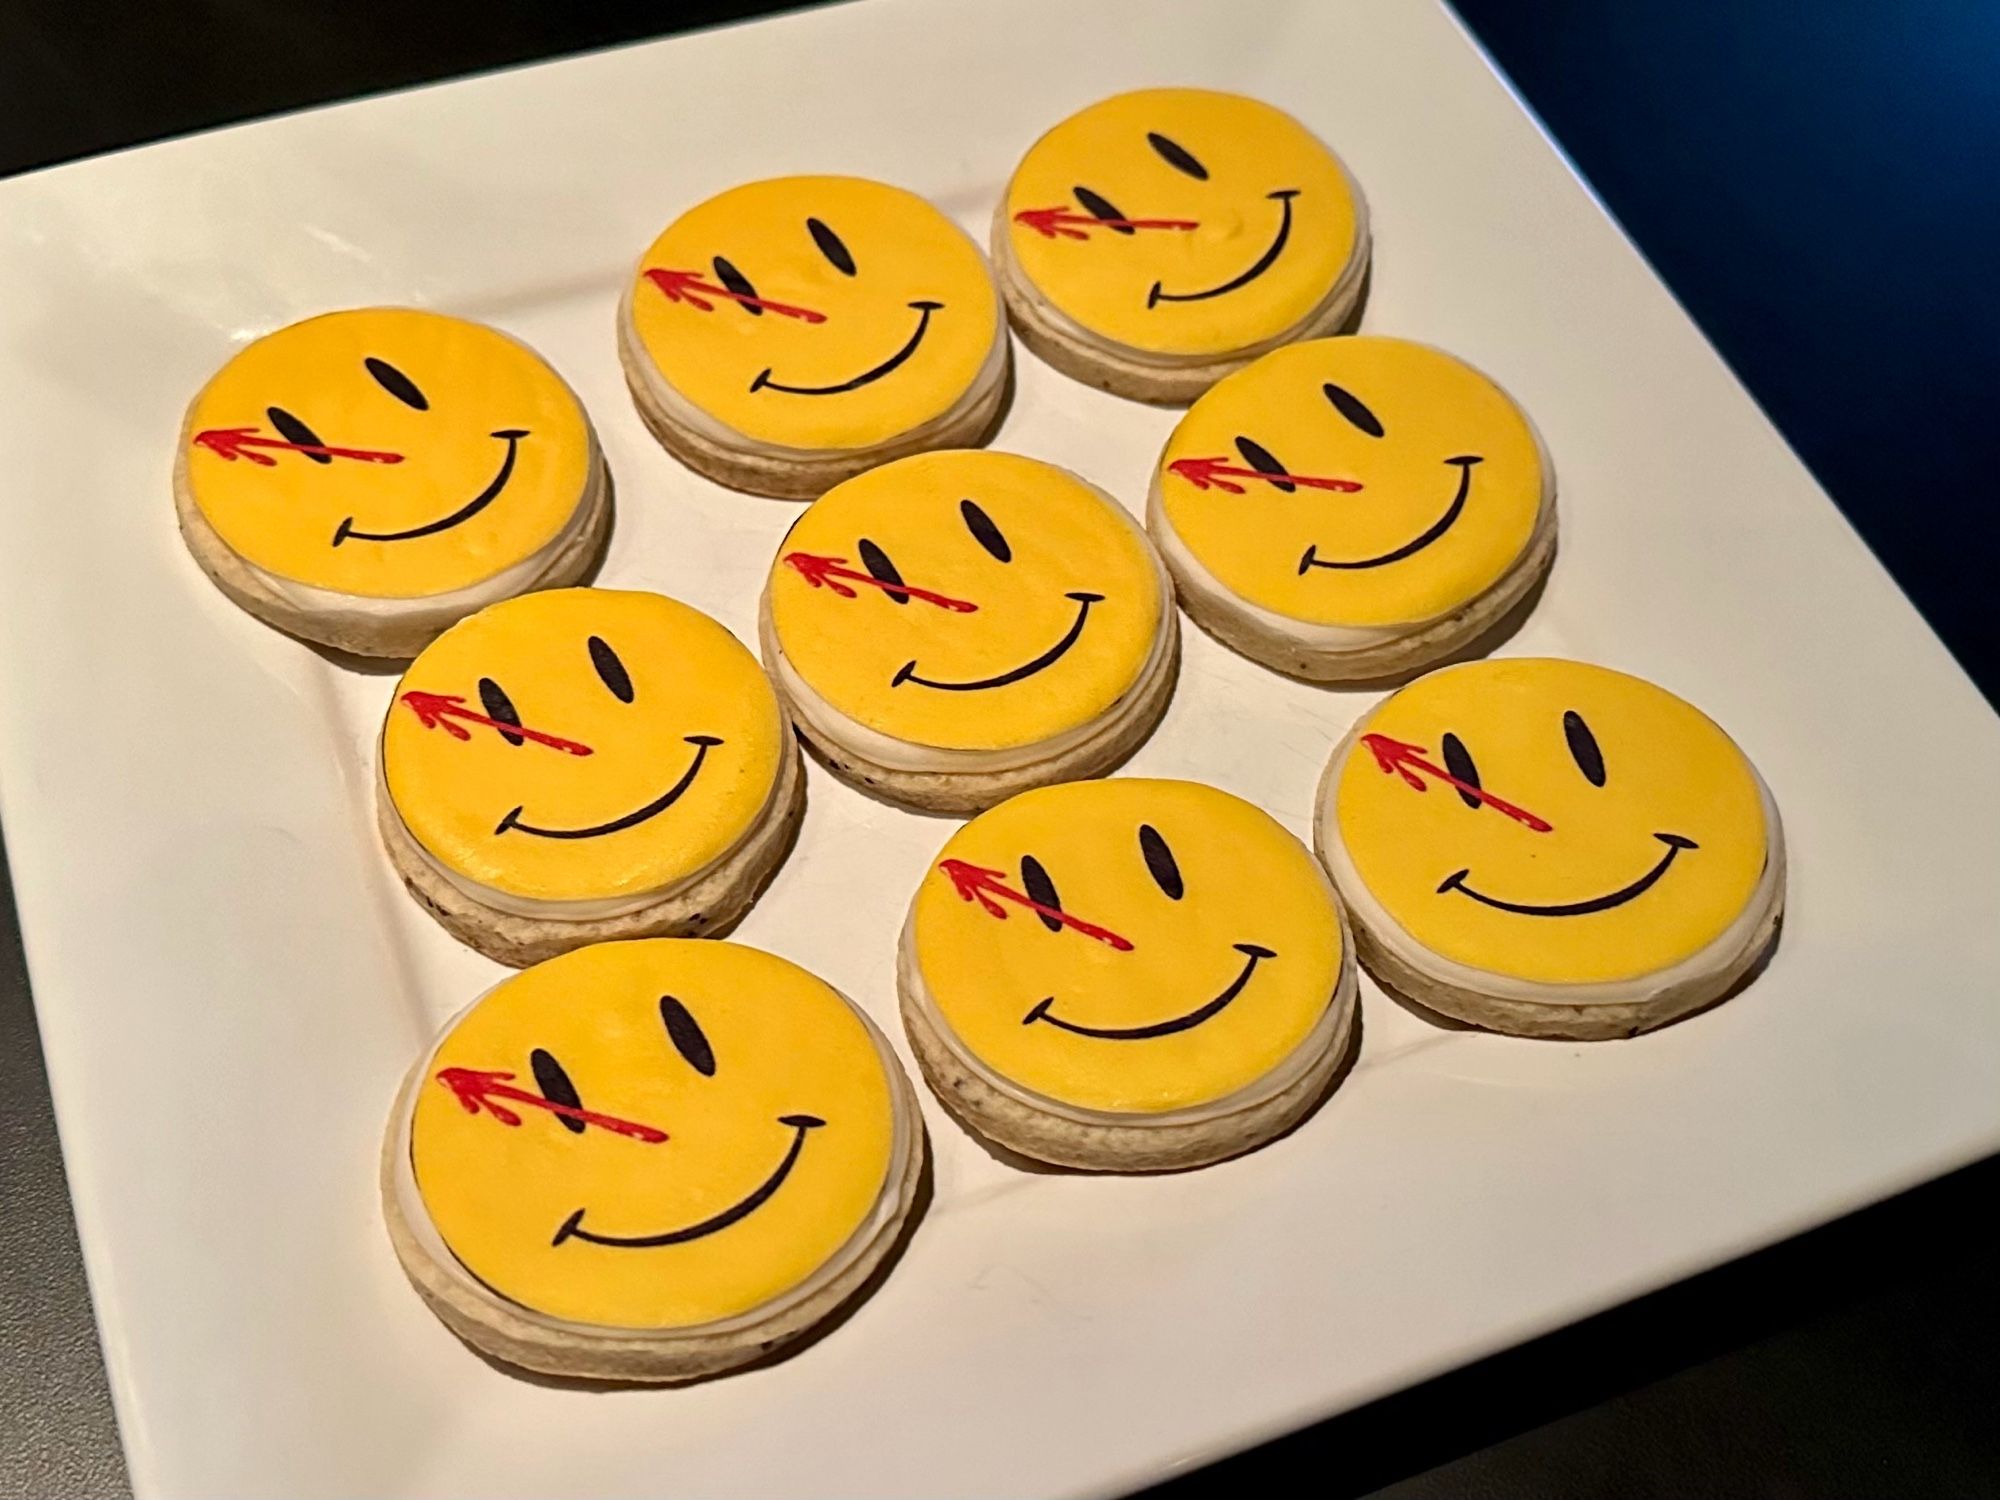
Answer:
(908, 671)
(1264, 262)
(1674, 842)
(1416, 544)
(764, 382)
(572, 1227)
(511, 436)
(702, 743)
(1251, 952)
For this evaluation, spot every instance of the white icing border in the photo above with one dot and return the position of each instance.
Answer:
(1329, 1031)
(896, 754)
(884, 1216)
(1333, 641)
(1716, 956)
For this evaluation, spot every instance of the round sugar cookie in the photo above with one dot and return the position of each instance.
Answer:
(788, 333)
(1354, 508)
(650, 1161)
(1551, 848)
(1157, 240)
(363, 479)
(585, 764)
(955, 627)
(1127, 975)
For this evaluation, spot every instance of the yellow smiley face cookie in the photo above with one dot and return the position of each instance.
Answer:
(1183, 221)
(582, 745)
(1356, 481)
(388, 453)
(967, 601)
(1547, 821)
(816, 312)
(655, 1134)
(1129, 946)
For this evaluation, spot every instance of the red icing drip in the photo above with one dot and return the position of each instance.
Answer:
(976, 883)
(438, 710)
(1407, 761)
(688, 287)
(233, 443)
(1050, 223)
(477, 1090)
(1217, 473)
(827, 573)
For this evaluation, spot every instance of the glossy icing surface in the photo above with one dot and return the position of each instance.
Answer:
(1127, 945)
(816, 313)
(1551, 821)
(388, 453)
(652, 1134)
(582, 744)
(1357, 481)
(1182, 221)
(967, 600)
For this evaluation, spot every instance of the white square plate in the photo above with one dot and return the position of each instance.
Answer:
(230, 982)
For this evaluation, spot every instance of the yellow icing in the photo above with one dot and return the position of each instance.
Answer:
(475, 383)
(1064, 539)
(1431, 409)
(782, 1043)
(688, 677)
(730, 361)
(1245, 880)
(1251, 152)
(1668, 769)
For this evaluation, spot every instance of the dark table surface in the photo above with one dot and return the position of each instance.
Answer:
(1820, 186)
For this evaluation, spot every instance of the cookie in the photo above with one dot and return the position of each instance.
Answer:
(365, 479)
(1354, 508)
(787, 334)
(1158, 240)
(1551, 848)
(953, 628)
(650, 1161)
(585, 764)
(1127, 975)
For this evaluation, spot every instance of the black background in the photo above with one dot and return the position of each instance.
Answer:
(1819, 183)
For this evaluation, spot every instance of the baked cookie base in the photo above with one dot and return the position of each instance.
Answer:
(785, 474)
(393, 636)
(504, 1331)
(1106, 1145)
(1263, 638)
(1134, 373)
(708, 907)
(1128, 725)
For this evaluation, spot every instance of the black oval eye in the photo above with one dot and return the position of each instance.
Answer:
(1176, 155)
(295, 431)
(500, 706)
(831, 247)
(1101, 208)
(610, 669)
(1458, 761)
(1160, 861)
(1264, 462)
(396, 383)
(556, 1087)
(984, 531)
(738, 283)
(876, 561)
(686, 1035)
(1041, 890)
(1349, 406)
(1583, 747)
